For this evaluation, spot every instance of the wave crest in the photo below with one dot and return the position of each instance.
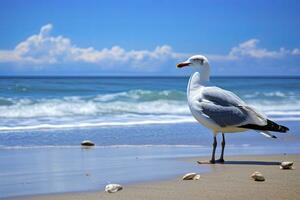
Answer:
(26, 108)
(133, 107)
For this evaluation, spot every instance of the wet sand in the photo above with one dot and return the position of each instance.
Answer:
(225, 181)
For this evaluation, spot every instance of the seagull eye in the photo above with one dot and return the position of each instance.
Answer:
(200, 60)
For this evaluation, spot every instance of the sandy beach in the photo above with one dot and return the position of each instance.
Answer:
(99, 96)
(225, 181)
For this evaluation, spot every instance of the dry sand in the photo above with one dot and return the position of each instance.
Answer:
(226, 181)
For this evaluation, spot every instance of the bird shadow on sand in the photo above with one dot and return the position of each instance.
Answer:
(250, 162)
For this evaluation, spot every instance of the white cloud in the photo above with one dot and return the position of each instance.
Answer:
(296, 51)
(250, 49)
(45, 49)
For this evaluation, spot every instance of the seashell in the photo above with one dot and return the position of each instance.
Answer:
(197, 177)
(257, 176)
(286, 165)
(87, 143)
(191, 176)
(112, 188)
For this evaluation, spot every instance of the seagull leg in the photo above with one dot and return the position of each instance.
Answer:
(213, 161)
(221, 160)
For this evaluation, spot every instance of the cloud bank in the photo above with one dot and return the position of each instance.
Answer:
(43, 49)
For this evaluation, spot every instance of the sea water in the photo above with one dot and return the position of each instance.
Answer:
(34, 103)
(141, 127)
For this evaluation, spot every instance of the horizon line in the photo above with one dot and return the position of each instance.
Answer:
(145, 76)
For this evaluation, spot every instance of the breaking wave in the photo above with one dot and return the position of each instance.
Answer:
(133, 107)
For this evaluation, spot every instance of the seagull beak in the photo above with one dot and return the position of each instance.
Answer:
(183, 64)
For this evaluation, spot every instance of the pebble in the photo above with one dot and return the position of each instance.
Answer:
(87, 143)
(286, 165)
(112, 188)
(191, 176)
(257, 176)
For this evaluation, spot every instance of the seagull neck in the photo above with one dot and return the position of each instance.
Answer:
(199, 79)
(204, 74)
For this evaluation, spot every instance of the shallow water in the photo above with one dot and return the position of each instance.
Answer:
(48, 170)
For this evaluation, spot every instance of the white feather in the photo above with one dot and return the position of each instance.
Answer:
(267, 134)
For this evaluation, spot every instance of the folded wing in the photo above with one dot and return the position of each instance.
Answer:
(227, 109)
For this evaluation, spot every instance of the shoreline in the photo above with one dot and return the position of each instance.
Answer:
(43, 169)
(279, 184)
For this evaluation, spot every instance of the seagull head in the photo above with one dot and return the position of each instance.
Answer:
(194, 61)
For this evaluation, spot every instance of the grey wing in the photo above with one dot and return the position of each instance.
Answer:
(224, 115)
(227, 109)
(221, 97)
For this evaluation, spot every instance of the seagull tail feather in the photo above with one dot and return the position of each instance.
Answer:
(271, 126)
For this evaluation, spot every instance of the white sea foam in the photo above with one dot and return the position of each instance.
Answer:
(135, 107)
(58, 108)
(76, 106)
(270, 94)
(161, 120)
(96, 124)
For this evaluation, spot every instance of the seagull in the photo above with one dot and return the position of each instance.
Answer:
(221, 110)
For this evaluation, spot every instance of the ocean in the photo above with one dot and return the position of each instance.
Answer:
(34, 103)
(141, 126)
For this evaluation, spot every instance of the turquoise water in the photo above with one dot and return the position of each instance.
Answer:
(33, 103)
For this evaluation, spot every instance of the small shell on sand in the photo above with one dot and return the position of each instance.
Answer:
(286, 165)
(87, 143)
(112, 188)
(197, 177)
(191, 176)
(257, 176)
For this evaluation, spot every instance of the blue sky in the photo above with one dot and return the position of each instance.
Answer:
(146, 37)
